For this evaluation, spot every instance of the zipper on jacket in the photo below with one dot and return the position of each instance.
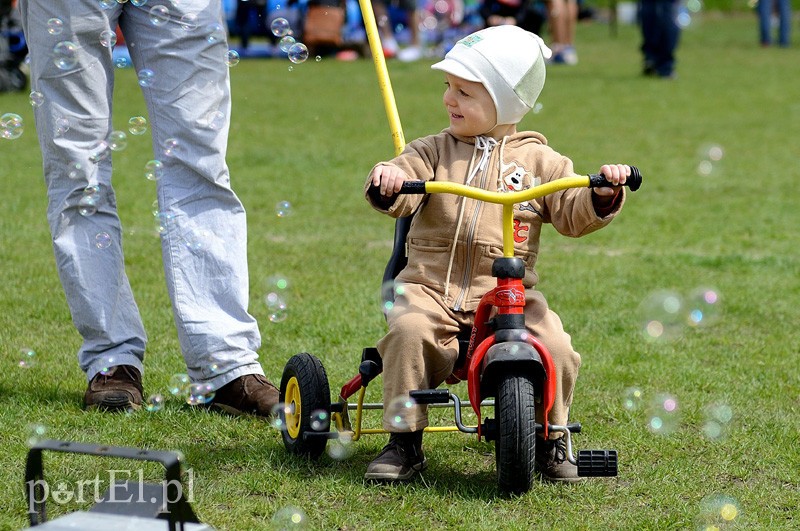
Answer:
(470, 235)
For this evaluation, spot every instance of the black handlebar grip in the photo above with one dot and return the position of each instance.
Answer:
(634, 181)
(413, 187)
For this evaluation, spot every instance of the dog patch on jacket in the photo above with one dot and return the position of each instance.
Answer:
(515, 178)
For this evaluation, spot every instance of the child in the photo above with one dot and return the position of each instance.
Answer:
(493, 78)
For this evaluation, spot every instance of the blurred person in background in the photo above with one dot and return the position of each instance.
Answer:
(562, 18)
(383, 19)
(660, 35)
(767, 9)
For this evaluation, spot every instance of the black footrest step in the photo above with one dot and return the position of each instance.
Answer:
(597, 463)
(430, 396)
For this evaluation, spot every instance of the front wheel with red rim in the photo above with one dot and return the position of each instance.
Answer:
(306, 412)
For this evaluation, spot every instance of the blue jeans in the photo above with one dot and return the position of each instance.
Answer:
(203, 241)
(765, 10)
(660, 35)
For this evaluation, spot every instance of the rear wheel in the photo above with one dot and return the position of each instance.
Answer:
(515, 447)
(306, 413)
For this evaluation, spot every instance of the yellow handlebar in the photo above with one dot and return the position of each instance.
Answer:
(507, 199)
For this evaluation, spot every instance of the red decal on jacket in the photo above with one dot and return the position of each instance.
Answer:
(518, 229)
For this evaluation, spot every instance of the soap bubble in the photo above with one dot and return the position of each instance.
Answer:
(320, 420)
(36, 433)
(215, 33)
(36, 98)
(401, 412)
(108, 38)
(179, 384)
(200, 393)
(159, 15)
(65, 55)
(102, 240)
(55, 26)
(289, 518)
(232, 58)
(283, 209)
(27, 358)
(717, 421)
(146, 77)
(137, 125)
(298, 53)
(719, 512)
(117, 140)
(633, 398)
(154, 170)
(189, 21)
(154, 403)
(662, 315)
(280, 27)
(663, 414)
(11, 126)
(704, 307)
(286, 42)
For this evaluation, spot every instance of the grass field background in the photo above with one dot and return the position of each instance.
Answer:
(308, 136)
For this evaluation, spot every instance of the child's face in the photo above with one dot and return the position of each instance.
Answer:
(470, 107)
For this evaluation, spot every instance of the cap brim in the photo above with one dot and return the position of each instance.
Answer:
(455, 68)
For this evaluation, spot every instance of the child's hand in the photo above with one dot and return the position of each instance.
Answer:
(615, 174)
(389, 178)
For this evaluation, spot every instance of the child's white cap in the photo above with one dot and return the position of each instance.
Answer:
(508, 61)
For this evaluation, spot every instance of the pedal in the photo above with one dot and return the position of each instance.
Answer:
(430, 396)
(597, 463)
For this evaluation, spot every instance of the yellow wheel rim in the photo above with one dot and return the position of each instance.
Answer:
(293, 408)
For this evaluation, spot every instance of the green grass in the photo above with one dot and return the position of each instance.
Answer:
(309, 136)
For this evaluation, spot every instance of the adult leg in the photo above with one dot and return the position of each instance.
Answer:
(785, 22)
(72, 124)
(670, 33)
(765, 8)
(204, 242)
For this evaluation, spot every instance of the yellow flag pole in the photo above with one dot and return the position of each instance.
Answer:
(383, 75)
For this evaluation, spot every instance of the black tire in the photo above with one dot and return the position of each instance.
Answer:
(307, 409)
(515, 447)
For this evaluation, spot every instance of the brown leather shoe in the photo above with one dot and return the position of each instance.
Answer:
(249, 394)
(120, 388)
(552, 463)
(400, 460)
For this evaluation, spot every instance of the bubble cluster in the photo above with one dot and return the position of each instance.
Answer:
(401, 412)
(289, 518)
(663, 414)
(11, 126)
(200, 393)
(137, 125)
(276, 298)
(717, 421)
(665, 314)
(27, 358)
(87, 204)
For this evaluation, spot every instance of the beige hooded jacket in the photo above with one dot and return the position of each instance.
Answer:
(453, 240)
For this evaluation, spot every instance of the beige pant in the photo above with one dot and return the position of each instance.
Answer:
(421, 348)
